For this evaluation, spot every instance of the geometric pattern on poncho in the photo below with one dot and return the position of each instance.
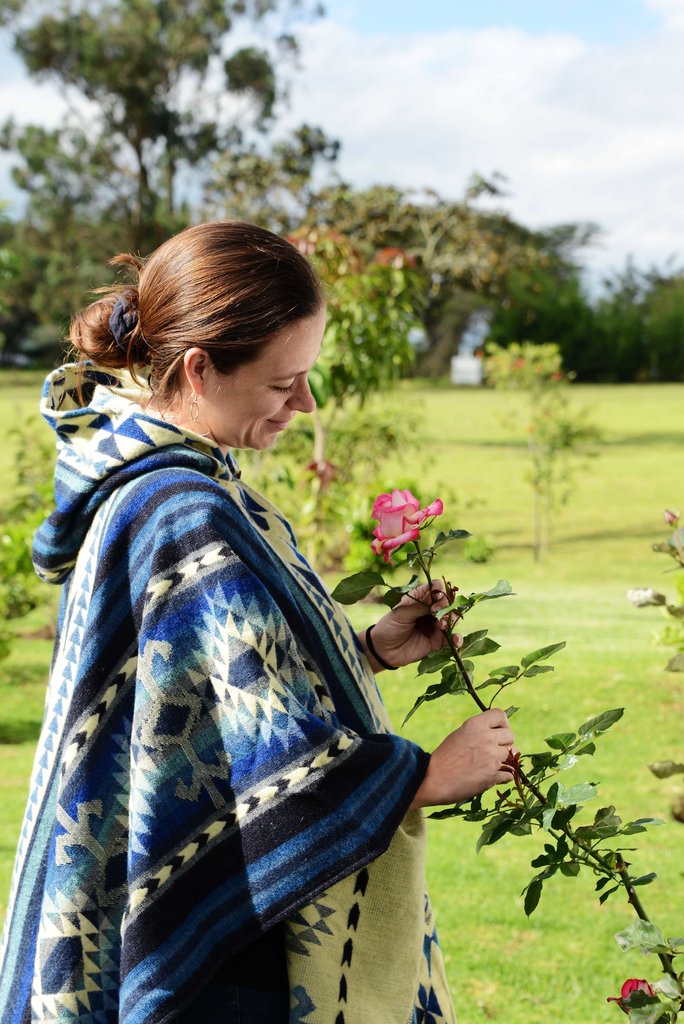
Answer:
(214, 758)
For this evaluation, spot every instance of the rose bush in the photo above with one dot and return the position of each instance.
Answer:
(536, 801)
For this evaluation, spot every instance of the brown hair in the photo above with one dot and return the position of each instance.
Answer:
(226, 286)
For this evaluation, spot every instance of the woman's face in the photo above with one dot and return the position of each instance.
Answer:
(250, 407)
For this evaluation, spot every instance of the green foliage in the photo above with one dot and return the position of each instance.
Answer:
(31, 500)
(146, 72)
(478, 549)
(546, 302)
(536, 800)
(631, 331)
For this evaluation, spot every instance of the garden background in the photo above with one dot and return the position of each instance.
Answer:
(413, 276)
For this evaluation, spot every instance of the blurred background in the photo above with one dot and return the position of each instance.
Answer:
(492, 194)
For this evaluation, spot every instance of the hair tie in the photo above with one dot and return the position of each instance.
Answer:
(122, 320)
(371, 648)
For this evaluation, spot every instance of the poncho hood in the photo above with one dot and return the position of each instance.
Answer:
(105, 438)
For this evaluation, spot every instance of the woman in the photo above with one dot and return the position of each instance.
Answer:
(221, 826)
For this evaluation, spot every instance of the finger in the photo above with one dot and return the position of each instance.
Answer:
(505, 738)
(498, 717)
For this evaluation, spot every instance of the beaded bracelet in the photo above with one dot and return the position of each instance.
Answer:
(371, 647)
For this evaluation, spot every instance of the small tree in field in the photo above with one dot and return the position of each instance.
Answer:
(557, 432)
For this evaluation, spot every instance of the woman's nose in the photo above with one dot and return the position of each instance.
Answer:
(302, 399)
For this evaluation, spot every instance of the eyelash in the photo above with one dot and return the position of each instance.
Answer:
(285, 391)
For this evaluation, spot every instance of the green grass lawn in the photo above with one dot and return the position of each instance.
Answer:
(563, 962)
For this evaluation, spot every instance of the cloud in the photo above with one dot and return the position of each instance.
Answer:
(672, 12)
(582, 131)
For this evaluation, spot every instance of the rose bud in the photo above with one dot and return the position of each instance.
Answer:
(631, 985)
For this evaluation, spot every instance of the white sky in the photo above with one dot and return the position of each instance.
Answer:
(578, 102)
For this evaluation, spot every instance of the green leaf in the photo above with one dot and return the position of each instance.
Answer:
(668, 986)
(533, 895)
(607, 892)
(664, 769)
(560, 740)
(506, 672)
(645, 879)
(509, 712)
(450, 535)
(542, 654)
(394, 595)
(570, 869)
(495, 829)
(501, 589)
(319, 383)
(354, 588)
(606, 823)
(646, 1009)
(639, 825)
(434, 661)
(575, 794)
(537, 670)
(642, 935)
(600, 723)
(485, 645)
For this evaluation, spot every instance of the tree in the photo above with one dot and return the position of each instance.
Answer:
(457, 246)
(154, 94)
(549, 302)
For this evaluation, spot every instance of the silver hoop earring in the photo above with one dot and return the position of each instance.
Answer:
(194, 407)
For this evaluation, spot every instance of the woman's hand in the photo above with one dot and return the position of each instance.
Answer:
(468, 761)
(412, 629)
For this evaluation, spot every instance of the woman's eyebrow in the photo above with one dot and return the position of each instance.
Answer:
(288, 376)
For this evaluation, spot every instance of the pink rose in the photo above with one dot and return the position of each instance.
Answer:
(670, 517)
(631, 985)
(399, 517)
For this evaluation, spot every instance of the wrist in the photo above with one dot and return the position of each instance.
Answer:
(371, 649)
(424, 796)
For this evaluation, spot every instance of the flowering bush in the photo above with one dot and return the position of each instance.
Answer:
(536, 800)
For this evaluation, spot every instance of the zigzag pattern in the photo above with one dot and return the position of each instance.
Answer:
(292, 779)
(199, 773)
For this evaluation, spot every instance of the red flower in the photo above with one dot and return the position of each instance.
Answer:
(631, 985)
(670, 517)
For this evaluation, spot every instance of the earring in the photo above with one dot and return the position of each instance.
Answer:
(194, 407)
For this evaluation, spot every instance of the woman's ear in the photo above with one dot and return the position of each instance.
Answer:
(197, 365)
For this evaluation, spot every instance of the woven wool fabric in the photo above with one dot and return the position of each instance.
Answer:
(214, 758)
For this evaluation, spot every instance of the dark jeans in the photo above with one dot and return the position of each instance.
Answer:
(223, 1003)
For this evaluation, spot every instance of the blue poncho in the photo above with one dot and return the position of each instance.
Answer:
(214, 757)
